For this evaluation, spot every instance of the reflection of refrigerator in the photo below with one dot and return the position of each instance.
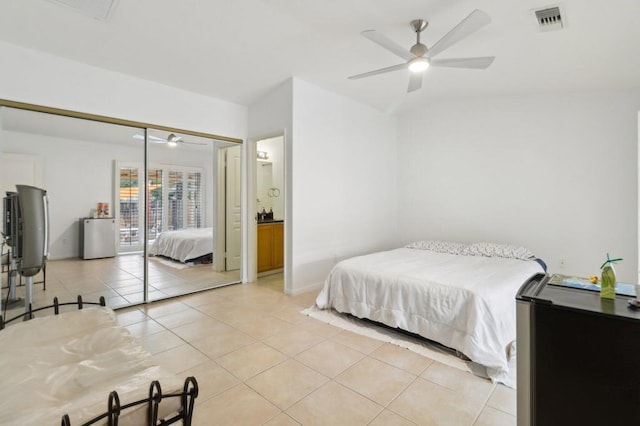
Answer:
(578, 357)
(97, 238)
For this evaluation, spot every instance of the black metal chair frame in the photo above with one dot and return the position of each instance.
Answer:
(185, 414)
(56, 308)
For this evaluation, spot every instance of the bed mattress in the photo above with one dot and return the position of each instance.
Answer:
(69, 363)
(184, 244)
(464, 302)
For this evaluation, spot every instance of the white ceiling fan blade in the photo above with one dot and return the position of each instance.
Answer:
(472, 23)
(480, 63)
(415, 81)
(380, 71)
(191, 143)
(388, 44)
(152, 139)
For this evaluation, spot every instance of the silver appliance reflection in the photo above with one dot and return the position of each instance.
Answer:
(26, 227)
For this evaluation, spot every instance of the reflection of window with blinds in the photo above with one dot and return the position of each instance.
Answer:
(155, 194)
(129, 206)
(174, 209)
(184, 199)
(174, 197)
(193, 199)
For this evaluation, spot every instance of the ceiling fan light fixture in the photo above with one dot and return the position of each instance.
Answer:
(418, 58)
(172, 140)
(418, 64)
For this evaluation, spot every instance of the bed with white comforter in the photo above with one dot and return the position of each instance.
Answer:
(183, 245)
(465, 302)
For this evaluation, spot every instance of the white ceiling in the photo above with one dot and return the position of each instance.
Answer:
(238, 50)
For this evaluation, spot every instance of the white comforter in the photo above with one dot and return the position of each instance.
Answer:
(69, 363)
(464, 302)
(183, 244)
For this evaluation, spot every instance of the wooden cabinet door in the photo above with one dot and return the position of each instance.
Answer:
(278, 245)
(265, 247)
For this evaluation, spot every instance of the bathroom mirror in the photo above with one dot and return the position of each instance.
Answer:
(104, 219)
(270, 176)
(265, 183)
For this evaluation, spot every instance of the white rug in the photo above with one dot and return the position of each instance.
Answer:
(365, 328)
(415, 344)
(171, 263)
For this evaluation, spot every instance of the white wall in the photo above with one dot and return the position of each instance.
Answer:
(39, 78)
(557, 174)
(344, 182)
(341, 177)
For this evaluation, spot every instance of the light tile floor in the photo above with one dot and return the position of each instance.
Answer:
(258, 360)
(119, 279)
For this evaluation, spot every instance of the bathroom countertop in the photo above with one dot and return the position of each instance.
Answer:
(260, 222)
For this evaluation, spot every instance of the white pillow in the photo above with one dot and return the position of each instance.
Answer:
(498, 250)
(438, 246)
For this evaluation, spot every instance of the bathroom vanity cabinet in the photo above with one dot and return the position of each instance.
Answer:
(270, 246)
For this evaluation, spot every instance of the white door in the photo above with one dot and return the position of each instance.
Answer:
(232, 201)
(19, 169)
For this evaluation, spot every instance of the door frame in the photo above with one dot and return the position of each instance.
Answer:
(252, 221)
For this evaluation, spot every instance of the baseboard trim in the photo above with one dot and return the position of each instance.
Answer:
(305, 289)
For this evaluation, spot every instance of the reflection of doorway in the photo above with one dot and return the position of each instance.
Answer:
(19, 169)
(128, 207)
(233, 200)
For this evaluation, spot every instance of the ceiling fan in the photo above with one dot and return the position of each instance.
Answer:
(419, 57)
(172, 140)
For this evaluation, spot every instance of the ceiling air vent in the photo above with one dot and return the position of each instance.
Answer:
(549, 19)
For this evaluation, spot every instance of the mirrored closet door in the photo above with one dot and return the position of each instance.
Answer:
(187, 187)
(134, 214)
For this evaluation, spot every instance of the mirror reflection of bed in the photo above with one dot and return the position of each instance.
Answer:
(83, 162)
(189, 247)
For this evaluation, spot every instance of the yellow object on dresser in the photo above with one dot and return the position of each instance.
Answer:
(608, 282)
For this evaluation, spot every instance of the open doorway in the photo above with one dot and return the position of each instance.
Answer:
(270, 211)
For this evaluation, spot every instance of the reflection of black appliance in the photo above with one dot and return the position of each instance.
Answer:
(10, 222)
(578, 357)
(10, 231)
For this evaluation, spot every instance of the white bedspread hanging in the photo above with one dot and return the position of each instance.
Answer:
(69, 363)
(464, 302)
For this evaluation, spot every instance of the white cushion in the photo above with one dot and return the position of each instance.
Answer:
(498, 250)
(438, 246)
